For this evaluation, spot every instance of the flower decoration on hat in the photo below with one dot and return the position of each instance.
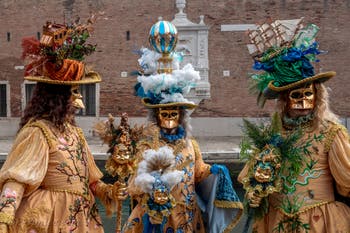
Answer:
(57, 58)
(156, 176)
(162, 83)
(284, 51)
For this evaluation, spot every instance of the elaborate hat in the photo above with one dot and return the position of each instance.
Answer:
(159, 85)
(284, 50)
(58, 57)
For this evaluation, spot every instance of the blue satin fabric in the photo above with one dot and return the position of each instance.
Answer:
(218, 187)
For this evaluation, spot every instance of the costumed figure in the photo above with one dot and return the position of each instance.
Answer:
(49, 178)
(121, 162)
(294, 171)
(169, 161)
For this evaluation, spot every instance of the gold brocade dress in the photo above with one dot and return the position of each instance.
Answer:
(186, 216)
(330, 153)
(45, 182)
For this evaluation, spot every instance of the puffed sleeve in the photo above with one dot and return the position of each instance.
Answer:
(339, 162)
(23, 170)
(28, 160)
(202, 170)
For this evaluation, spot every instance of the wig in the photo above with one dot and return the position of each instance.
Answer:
(52, 103)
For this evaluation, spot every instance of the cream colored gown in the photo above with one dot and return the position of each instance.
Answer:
(45, 182)
(315, 186)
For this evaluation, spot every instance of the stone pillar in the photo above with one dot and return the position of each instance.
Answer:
(193, 43)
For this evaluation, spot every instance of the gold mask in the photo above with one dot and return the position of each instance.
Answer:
(302, 98)
(121, 154)
(263, 175)
(160, 197)
(169, 118)
(77, 97)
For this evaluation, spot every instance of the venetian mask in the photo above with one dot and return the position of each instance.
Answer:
(169, 118)
(160, 197)
(266, 165)
(121, 154)
(77, 98)
(263, 173)
(302, 98)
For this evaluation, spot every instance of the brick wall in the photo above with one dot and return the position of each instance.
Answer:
(227, 50)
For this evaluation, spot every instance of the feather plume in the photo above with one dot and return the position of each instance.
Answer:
(103, 129)
(159, 162)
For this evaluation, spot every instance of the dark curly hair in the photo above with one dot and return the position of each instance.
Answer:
(50, 102)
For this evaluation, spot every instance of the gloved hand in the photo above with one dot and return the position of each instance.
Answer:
(3, 228)
(254, 199)
(119, 191)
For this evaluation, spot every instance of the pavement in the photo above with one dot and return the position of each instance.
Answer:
(214, 149)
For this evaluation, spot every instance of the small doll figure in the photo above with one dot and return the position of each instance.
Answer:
(156, 176)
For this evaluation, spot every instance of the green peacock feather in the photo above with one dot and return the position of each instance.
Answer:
(291, 149)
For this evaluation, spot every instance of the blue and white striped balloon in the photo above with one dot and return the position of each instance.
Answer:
(163, 37)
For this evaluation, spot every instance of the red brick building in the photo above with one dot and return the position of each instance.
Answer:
(124, 27)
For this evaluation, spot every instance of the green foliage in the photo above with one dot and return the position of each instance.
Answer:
(74, 47)
(255, 134)
(292, 223)
(293, 152)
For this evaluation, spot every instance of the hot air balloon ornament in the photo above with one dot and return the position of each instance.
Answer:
(163, 38)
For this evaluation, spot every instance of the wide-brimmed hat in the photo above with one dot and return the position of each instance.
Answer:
(284, 51)
(272, 90)
(162, 83)
(58, 57)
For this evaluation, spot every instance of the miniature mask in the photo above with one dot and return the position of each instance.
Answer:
(169, 118)
(121, 154)
(161, 197)
(267, 162)
(302, 98)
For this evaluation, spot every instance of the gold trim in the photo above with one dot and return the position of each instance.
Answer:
(325, 75)
(330, 135)
(145, 102)
(6, 218)
(234, 222)
(44, 129)
(270, 189)
(81, 136)
(228, 204)
(90, 77)
(87, 197)
(304, 210)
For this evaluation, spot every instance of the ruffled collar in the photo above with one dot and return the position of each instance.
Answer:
(180, 133)
(302, 121)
